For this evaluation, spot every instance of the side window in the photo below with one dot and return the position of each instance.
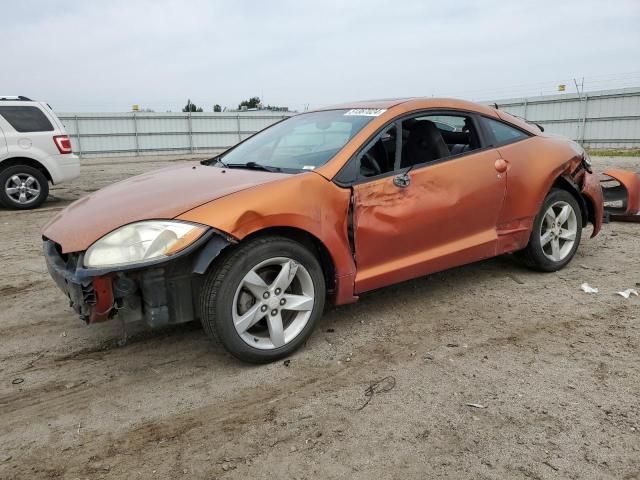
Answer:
(26, 119)
(428, 138)
(424, 138)
(504, 133)
(380, 157)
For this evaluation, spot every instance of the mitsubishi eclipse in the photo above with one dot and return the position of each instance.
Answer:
(317, 208)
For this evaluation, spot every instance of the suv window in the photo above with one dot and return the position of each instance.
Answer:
(504, 133)
(26, 119)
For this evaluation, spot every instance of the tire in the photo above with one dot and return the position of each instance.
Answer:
(542, 252)
(23, 182)
(231, 293)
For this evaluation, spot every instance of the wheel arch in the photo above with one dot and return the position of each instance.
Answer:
(308, 240)
(15, 161)
(564, 182)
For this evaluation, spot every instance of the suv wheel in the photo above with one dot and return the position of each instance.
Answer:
(23, 187)
(263, 299)
(556, 233)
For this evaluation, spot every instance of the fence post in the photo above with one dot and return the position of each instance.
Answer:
(190, 133)
(238, 124)
(584, 119)
(78, 136)
(135, 131)
(524, 113)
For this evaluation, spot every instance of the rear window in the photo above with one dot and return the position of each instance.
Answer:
(26, 119)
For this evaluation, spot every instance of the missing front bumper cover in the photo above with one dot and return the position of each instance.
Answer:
(161, 294)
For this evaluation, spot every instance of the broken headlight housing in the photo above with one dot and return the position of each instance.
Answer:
(142, 242)
(586, 161)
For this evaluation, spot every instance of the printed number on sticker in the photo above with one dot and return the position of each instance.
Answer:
(366, 112)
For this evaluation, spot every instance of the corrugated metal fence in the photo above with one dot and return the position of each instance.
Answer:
(140, 133)
(603, 119)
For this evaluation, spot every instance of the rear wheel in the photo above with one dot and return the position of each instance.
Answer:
(263, 299)
(556, 233)
(23, 187)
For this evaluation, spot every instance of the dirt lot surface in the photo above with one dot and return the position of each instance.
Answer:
(556, 371)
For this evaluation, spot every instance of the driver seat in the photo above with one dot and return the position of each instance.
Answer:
(424, 144)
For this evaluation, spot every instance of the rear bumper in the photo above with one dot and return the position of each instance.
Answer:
(63, 167)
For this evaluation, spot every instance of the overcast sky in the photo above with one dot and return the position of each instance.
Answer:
(108, 55)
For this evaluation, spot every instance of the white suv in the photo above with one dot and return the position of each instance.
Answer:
(34, 150)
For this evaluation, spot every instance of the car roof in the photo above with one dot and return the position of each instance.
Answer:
(379, 103)
(15, 98)
(411, 103)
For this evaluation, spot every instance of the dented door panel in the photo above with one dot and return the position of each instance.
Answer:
(445, 217)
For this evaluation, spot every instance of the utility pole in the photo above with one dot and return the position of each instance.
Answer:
(581, 127)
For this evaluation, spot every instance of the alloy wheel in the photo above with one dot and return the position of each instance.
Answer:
(22, 188)
(558, 231)
(273, 303)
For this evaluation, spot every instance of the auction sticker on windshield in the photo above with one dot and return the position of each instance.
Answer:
(366, 112)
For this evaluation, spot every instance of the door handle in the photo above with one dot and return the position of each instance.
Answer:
(403, 180)
(501, 165)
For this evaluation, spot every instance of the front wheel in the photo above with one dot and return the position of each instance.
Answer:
(262, 300)
(556, 233)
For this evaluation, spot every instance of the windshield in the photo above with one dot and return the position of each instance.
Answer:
(303, 142)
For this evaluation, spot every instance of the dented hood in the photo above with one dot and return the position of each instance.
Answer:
(164, 193)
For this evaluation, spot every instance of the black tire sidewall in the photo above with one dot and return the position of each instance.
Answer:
(8, 172)
(535, 252)
(238, 264)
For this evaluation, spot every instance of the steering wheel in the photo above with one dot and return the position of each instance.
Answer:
(372, 166)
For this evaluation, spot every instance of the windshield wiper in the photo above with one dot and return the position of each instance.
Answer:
(253, 166)
(216, 159)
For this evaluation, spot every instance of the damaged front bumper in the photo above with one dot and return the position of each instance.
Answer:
(592, 190)
(621, 190)
(160, 293)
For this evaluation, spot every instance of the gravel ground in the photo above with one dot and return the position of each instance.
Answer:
(555, 370)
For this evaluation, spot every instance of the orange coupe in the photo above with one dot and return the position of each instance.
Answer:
(323, 205)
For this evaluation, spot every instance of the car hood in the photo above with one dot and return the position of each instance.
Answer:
(164, 193)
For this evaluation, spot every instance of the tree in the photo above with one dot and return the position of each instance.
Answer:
(217, 108)
(191, 107)
(253, 102)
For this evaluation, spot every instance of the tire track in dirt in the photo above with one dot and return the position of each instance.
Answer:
(233, 416)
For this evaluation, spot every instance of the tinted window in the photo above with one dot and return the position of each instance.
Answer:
(26, 119)
(503, 132)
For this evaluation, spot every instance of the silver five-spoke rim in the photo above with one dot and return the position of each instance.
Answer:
(558, 231)
(273, 303)
(22, 188)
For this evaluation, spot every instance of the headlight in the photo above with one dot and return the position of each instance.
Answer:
(141, 242)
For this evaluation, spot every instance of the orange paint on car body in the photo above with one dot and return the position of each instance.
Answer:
(627, 193)
(455, 211)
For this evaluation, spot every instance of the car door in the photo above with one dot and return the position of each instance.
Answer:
(437, 215)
